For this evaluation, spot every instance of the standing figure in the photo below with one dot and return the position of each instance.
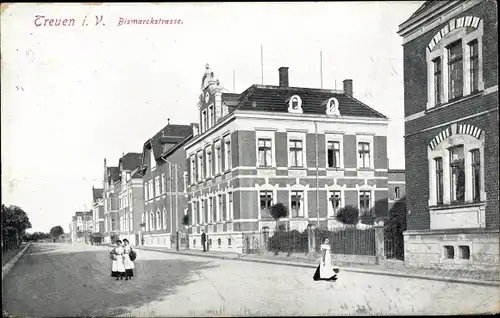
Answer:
(128, 262)
(203, 240)
(325, 270)
(117, 266)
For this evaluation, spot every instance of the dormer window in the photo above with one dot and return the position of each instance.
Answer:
(152, 159)
(332, 107)
(295, 104)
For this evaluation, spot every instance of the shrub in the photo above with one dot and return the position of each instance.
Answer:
(348, 215)
(290, 241)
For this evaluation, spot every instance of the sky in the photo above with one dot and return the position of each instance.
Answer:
(74, 95)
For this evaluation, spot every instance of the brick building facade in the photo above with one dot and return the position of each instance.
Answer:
(123, 199)
(314, 150)
(163, 166)
(451, 134)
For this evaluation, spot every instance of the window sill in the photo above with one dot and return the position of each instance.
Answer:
(456, 205)
(297, 168)
(266, 167)
(335, 168)
(453, 102)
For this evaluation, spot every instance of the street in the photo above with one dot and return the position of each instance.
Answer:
(65, 280)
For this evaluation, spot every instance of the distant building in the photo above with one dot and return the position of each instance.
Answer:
(163, 170)
(123, 199)
(314, 150)
(98, 212)
(81, 226)
(451, 134)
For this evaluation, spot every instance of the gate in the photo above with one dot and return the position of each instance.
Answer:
(252, 243)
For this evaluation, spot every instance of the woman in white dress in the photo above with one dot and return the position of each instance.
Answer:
(128, 263)
(117, 266)
(325, 270)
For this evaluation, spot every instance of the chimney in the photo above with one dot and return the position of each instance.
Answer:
(348, 87)
(168, 121)
(283, 71)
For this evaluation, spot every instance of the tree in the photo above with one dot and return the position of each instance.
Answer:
(14, 223)
(348, 215)
(278, 211)
(56, 231)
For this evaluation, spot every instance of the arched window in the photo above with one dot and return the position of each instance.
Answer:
(295, 104)
(151, 221)
(158, 220)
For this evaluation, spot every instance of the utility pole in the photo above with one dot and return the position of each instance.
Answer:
(317, 174)
(176, 202)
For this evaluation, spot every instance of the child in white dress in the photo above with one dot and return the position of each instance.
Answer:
(117, 266)
(128, 263)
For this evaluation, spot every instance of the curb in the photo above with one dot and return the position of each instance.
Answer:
(7, 267)
(346, 269)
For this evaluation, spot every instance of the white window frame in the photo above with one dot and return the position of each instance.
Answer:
(131, 222)
(439, 50)
(194, 212)
(146, 197)
(152, 160)
(230, 205)
(442, 150)
(151, 190)
(218, 158)
(208, 162)
(303, 213)
(228, 161)
(330, 190)
(299, 105)
(193, 169)
(269, 188)
(158, 219)
(367, 139)
(200, 167)
(164, 213)
(203, 121)
(262, 134)
(151, 220)
(340, 140)
(369, 189)
(157, 186)
(219, 203)
(297, 136)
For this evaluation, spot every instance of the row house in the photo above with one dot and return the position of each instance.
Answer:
(314, 150)
(81, 226)
(163, 171)
(98, 212)
(130, 197)
(123, 199)
(450, 53)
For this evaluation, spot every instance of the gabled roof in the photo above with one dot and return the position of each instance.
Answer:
(97, 194)
(171, 134)
(275, 99)
(130, 161)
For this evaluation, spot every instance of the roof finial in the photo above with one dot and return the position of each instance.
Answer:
(168, 121)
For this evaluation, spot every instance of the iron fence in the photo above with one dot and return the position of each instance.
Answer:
(394, 248)
(348, 240)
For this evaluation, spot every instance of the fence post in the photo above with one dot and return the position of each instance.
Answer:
(379, 241)
(265, 239)
(312, 238)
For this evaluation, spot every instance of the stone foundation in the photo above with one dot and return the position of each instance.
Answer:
(162, 240)
(229, 242)
(452, 248)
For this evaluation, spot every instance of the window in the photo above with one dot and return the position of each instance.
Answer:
(186, 181)
(131, 222)
(476, 175)
(202, 218)
(397, 193)
(199, 171)
(193, 170)
(265, 153)
(364, 202)
(464, 252)
(457, 174)
(213, 208)
(455, 70)
(295, 153)
(151, 191)
(335, 201)
(164, 214)
(439, 180)
(203, 121)
(157, 186)
(223, 208)
(295, 103)
(158, 220)
(210, 209)
(220, 207)
(218, 159)
(266, 200)
(208, 167)
(474, 66)
(194, 218)
(200, 211)
(296, 203)
(230, 206)
(333, 154)
(449, 252)
(152, 159)
(437, 80)
(151, 221)
(227, 154)
(163, 187)
(212, 116)
(364, 154)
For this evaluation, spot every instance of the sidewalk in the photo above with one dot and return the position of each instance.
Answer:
(387, 267)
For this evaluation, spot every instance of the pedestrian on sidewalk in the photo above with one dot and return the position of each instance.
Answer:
(128, 259)
(203, 240)
(325, 270)
(117, 266)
